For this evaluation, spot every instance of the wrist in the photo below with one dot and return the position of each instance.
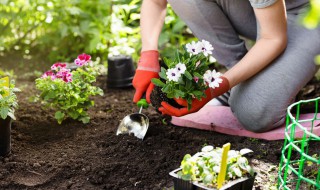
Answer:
(149, 60)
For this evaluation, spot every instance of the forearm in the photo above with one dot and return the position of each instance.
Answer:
(272, 42)
(153, 13)
(258, 57)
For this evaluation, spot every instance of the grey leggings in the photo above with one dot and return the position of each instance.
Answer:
(260, 102)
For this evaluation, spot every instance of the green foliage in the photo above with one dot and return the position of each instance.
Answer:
(8, 103)
(8, 73)
(312, 19)
(101, 28)
(125, 29)
(54, 27)
(70, 99)
(204, 166)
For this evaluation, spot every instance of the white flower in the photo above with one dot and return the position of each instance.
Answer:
(193, 48)
(212, 78)
(216, 169)
(181, 67)
(205, 47)
(233, 153)
(207, 148)
(173, 74)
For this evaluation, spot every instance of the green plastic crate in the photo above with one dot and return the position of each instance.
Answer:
(299, 168)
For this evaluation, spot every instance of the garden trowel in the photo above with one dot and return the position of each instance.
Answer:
(136, 123)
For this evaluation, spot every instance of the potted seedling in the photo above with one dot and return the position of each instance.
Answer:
(8, 104)
(214, 168)
(186, 76)
(69, 92)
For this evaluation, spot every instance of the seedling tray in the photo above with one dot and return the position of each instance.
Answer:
(244, 183)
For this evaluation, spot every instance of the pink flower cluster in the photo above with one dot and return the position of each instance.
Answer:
(59, 71)
(82, 59)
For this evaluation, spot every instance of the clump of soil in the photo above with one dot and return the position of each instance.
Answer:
(157, 96)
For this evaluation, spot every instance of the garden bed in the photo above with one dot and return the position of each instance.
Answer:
(73, 155)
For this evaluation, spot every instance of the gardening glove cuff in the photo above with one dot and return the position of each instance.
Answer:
(149, 61)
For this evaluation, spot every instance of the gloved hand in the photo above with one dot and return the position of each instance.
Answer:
(196, 104)
(148, 68)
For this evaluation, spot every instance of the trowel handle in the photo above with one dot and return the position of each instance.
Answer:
(143, 102)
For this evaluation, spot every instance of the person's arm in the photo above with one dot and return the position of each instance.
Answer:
(152, 17)
(153, 13)
(271, 43)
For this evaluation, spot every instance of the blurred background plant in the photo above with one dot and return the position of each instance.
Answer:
(57, 30)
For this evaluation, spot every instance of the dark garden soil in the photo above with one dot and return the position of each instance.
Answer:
(73, 155)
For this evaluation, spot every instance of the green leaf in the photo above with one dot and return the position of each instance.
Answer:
(50, 95)
(178, 93)
(188, 75)
(166, 89)
(73, 114)
(157, 82)
(197, 75)
(59, 116)
(197, 93)
(188, 85)
(85, 119)
(178, 26)
(163, 74)
(4, 112)
(186, 177)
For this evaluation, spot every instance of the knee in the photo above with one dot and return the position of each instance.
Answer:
(258, 119)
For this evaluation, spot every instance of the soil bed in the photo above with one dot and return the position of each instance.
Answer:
(46, 155)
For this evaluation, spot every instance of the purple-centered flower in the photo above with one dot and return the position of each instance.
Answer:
(193, 48)
(212, 78)
(181, 68)
(82, 59)
(205, 47)
(173, 74)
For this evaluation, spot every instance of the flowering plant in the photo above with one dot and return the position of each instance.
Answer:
(8, 99)
(187, 76)
(204, 166)
(68, 91)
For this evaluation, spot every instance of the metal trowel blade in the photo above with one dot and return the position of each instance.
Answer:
(136, 124)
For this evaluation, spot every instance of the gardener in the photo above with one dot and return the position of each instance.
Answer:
(263, 80)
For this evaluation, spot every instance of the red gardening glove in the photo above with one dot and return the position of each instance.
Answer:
(148, 68)
(196, 104)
